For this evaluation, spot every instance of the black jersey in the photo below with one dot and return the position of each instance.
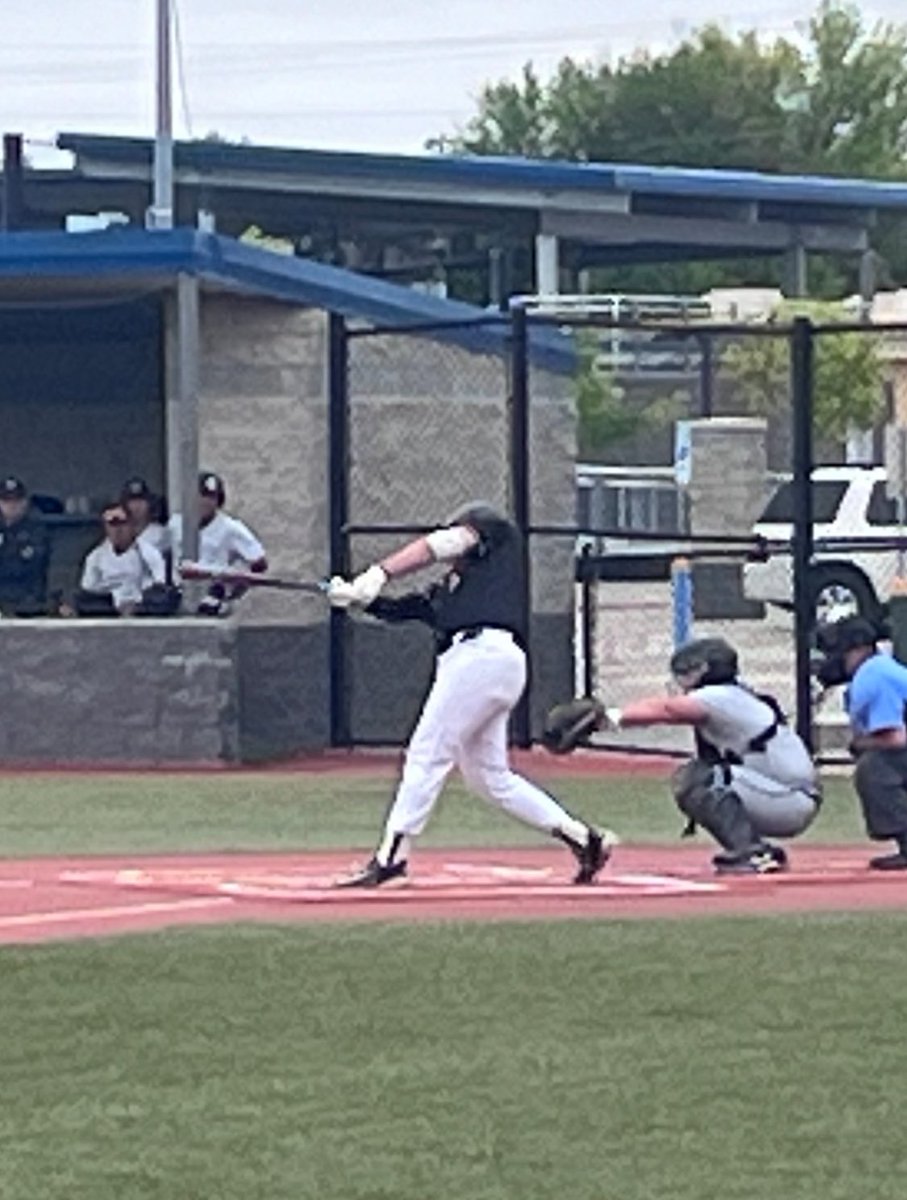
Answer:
(484, 588)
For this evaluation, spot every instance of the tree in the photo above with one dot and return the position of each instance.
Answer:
(848, 375)
(836, 105)
(604, 416)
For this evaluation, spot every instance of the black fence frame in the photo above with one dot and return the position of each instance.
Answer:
(518, 324)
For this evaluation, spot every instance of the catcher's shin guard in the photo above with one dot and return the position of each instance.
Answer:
(702, 795)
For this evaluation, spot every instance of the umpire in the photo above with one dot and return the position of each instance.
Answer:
(875, 700)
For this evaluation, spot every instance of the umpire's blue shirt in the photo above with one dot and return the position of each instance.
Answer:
(877, 695)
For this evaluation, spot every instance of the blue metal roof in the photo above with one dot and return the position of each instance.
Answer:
(132, 258)
(462, 171)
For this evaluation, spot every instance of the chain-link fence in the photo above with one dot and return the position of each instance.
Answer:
(664, 472)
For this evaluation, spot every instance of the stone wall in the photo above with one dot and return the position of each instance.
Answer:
(727, 489)
(263, 426)
(159, 692)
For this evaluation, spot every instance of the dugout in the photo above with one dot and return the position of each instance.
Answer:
(135, 352)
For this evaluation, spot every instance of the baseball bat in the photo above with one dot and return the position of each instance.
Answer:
(190, 570)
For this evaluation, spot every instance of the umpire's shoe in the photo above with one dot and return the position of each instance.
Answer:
(374, 874)
(592, 856)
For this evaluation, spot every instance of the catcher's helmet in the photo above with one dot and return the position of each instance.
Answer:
(716, 657)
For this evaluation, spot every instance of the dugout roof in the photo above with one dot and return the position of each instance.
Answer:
(122, 262)
(606, 212)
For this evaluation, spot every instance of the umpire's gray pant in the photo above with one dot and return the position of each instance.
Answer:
(881, 783)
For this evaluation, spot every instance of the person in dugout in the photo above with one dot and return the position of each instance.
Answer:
(875, 699)
(24, 553)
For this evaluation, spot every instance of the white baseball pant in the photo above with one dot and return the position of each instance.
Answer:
(463, 724)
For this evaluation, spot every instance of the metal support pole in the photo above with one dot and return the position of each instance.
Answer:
(188, 335)
(13, 189)
(547, 263)
(587, 616)
(802, 541)
(338, 517)
(682, 600)
(519, 485)
(160, 215)
(706, 376)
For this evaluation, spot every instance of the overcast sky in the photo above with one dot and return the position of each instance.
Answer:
(346, 74)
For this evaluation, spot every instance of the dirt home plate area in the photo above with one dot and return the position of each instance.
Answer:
(45, 899)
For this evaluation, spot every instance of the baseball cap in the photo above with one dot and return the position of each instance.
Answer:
(12, 488)
(210, 484)
(136, 488)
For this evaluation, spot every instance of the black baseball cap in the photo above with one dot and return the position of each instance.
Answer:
(210, 484)
(136, 489)
(12, 488)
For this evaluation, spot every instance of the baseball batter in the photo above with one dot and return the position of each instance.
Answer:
(752, 778)
(476, 613)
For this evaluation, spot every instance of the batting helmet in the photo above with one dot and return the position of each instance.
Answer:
(716, 658)
(475, 509)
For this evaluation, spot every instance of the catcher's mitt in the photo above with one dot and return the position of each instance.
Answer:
(568, 725)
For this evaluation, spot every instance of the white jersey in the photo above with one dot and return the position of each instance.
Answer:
(124, 575)
(222, 543)
(156, 536)
(736, 718)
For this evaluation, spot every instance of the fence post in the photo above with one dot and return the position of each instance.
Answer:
(519, 486)
(682, 600)
(802, 541)
(338, 518)
(587, 620)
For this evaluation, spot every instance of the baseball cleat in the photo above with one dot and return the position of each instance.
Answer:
(594, 855)
(374, 874)
(889, 862)
(764, 860)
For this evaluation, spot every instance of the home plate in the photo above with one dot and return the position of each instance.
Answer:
(448, 881)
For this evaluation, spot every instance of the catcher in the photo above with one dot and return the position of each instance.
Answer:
(752, 777)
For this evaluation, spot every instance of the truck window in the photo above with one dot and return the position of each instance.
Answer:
(827, 497)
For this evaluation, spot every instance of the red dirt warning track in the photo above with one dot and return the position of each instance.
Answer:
(51, 898)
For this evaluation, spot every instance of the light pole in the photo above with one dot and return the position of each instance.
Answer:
(160, 214)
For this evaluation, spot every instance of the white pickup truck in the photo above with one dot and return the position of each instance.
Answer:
(848, 502)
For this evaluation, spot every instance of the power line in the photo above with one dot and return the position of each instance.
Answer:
(181, 69)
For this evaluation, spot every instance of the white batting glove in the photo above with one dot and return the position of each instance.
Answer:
(613, 719)
(361, 591)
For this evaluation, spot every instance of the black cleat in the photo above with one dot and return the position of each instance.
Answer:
(751, 862)
(373, 875)
(592, 856)
(762, 860)
(889, 862)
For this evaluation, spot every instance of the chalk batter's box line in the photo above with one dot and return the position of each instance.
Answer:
(325, 890)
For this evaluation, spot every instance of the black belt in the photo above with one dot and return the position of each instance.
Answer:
(469, 632)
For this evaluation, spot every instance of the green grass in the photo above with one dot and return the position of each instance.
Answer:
(712, 1060)
(134, 813)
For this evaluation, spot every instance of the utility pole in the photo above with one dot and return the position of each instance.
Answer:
(160, 214)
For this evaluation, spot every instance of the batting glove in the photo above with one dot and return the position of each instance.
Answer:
(361, 591)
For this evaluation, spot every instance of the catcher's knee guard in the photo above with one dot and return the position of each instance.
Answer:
(703, 795)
